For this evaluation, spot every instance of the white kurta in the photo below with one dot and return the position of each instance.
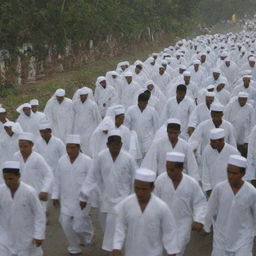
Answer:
(22, 218)
(181, 111)
(251, 157)
(28, 123)
(201, 136)
(61, 116)
(113, 179)
(223, 96)
(145, 233)
(214, 166)
(51, 151)
(187, 203)
(250, 90)
(199, 114)
(232, 215)
(86, 119)
(155, 159)
(242, 118)
(145, 123)
(129, 93)
(68, 181)
(35, 172)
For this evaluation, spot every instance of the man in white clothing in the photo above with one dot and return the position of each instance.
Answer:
(49, 146)
(71, 171)
(59, 111)
(34, 108)
(155, 158)
(144, 223)
(215, 158)
(86, 117)
(144, 120)
(22, 219)
(241, 114)
(3, 118)
(33, 168)
(232, 211)
(112, 178)
(184, 197)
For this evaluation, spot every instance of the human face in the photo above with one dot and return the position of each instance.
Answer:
(242, 101)
(11, 180)
(196, 66)
(2, 117)
(209, 100)
(173, 134)
(46, 134)
(173, 171)
(217, 144)
(34, 108)
(72, 150)
(180, 95)
(220, 87)
(119, 120)
(246, 81)
(25, 147)
(186, 79)
(142, 104)
(161, 70)
(252, 63)
(216, 116)
(227, 63)
(115, 146)
(216, 75)
(83, 97)
(27, 111)
(103, 83)
(60, 99)
(128, 79)
(143, 190)
(234, 175)
(150, 87)
(137, 70)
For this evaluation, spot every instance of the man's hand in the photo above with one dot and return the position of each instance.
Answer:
(56, 202)
(82, 205)
(117, 253)
(196, 226)
(43, 196)
(37, 242)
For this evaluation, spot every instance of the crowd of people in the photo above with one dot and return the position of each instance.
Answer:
(160, 148)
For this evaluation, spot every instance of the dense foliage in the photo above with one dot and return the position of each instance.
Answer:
(52, 22)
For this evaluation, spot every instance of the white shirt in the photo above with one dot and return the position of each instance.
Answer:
(232, 215)
(145, 233)
(22, 218)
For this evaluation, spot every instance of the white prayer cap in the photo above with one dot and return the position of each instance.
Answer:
(83, 91)
(101, 78)
(210, 94)
(173, 121)
(247, 76)
(26, 136)
(247, 72)
(43, 125)
(128, 73)
(252, 58)
(196, 62)
(243, 95)
(164, 62)
(217, 133)
(210, 87)
(8, 124)
(2, 110)
(34, 102)
(114, 132)
(223, 54)
(73, 139)
(150, 82)
(11, 165)
(155, 54)
(237, 161)
(175, 157)
(26, 105)
(60, 92)
(144, 174)
(216, 70)
(217, 107)
(182, 67)
(186, 73)
(119, 110)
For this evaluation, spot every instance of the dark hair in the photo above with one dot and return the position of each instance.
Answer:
(148, 92)
(173, 126)
(143, 97)
(179, 165)
(242, 169)
(139, 66)
(114, 138)
(181, 87)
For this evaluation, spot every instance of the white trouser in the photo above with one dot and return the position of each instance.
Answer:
(245, 250)
(107, 244)
(33, 251)
(77, 231)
